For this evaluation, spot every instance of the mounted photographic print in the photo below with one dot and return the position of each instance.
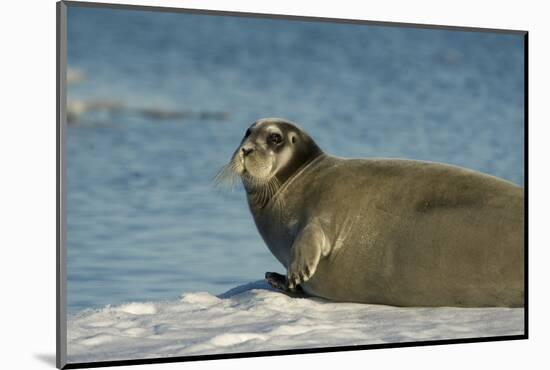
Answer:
(234, 184)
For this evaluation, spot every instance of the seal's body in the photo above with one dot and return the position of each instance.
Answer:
(384, 231)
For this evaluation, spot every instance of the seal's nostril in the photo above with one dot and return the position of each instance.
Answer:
(247, 151)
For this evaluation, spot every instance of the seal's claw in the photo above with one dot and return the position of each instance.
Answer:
(299, 273)
(281, 283)
(294, 280)
(277, 281)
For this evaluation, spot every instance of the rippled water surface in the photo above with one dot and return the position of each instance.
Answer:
(169, 97)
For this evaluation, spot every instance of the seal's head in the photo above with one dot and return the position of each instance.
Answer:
(271, 151)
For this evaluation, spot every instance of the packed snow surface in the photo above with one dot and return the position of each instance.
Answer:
(253, 317)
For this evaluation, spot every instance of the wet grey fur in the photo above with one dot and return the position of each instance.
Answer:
(386, 231)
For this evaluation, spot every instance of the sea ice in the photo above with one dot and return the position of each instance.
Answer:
(253, 317)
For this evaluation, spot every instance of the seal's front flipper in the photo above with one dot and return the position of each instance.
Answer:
(277, 281)
(307, 250)
(280, 283)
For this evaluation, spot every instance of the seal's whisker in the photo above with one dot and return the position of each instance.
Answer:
(226, 175)
(266, 190)
(263, 190)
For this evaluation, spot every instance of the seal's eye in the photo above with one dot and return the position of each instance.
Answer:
(274, 138)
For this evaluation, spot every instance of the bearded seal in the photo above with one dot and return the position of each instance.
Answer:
(381, 231)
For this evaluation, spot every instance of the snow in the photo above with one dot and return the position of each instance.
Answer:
(254, 317)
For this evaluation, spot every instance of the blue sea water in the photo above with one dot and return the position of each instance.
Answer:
(145, 221)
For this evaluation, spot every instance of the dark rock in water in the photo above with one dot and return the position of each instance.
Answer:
(213, 115)
(77, 108)
(163, 114)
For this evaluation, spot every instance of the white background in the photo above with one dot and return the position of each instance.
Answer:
(27, 159)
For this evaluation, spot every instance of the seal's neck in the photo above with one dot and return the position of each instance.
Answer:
(261, 196)
(294, 167)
